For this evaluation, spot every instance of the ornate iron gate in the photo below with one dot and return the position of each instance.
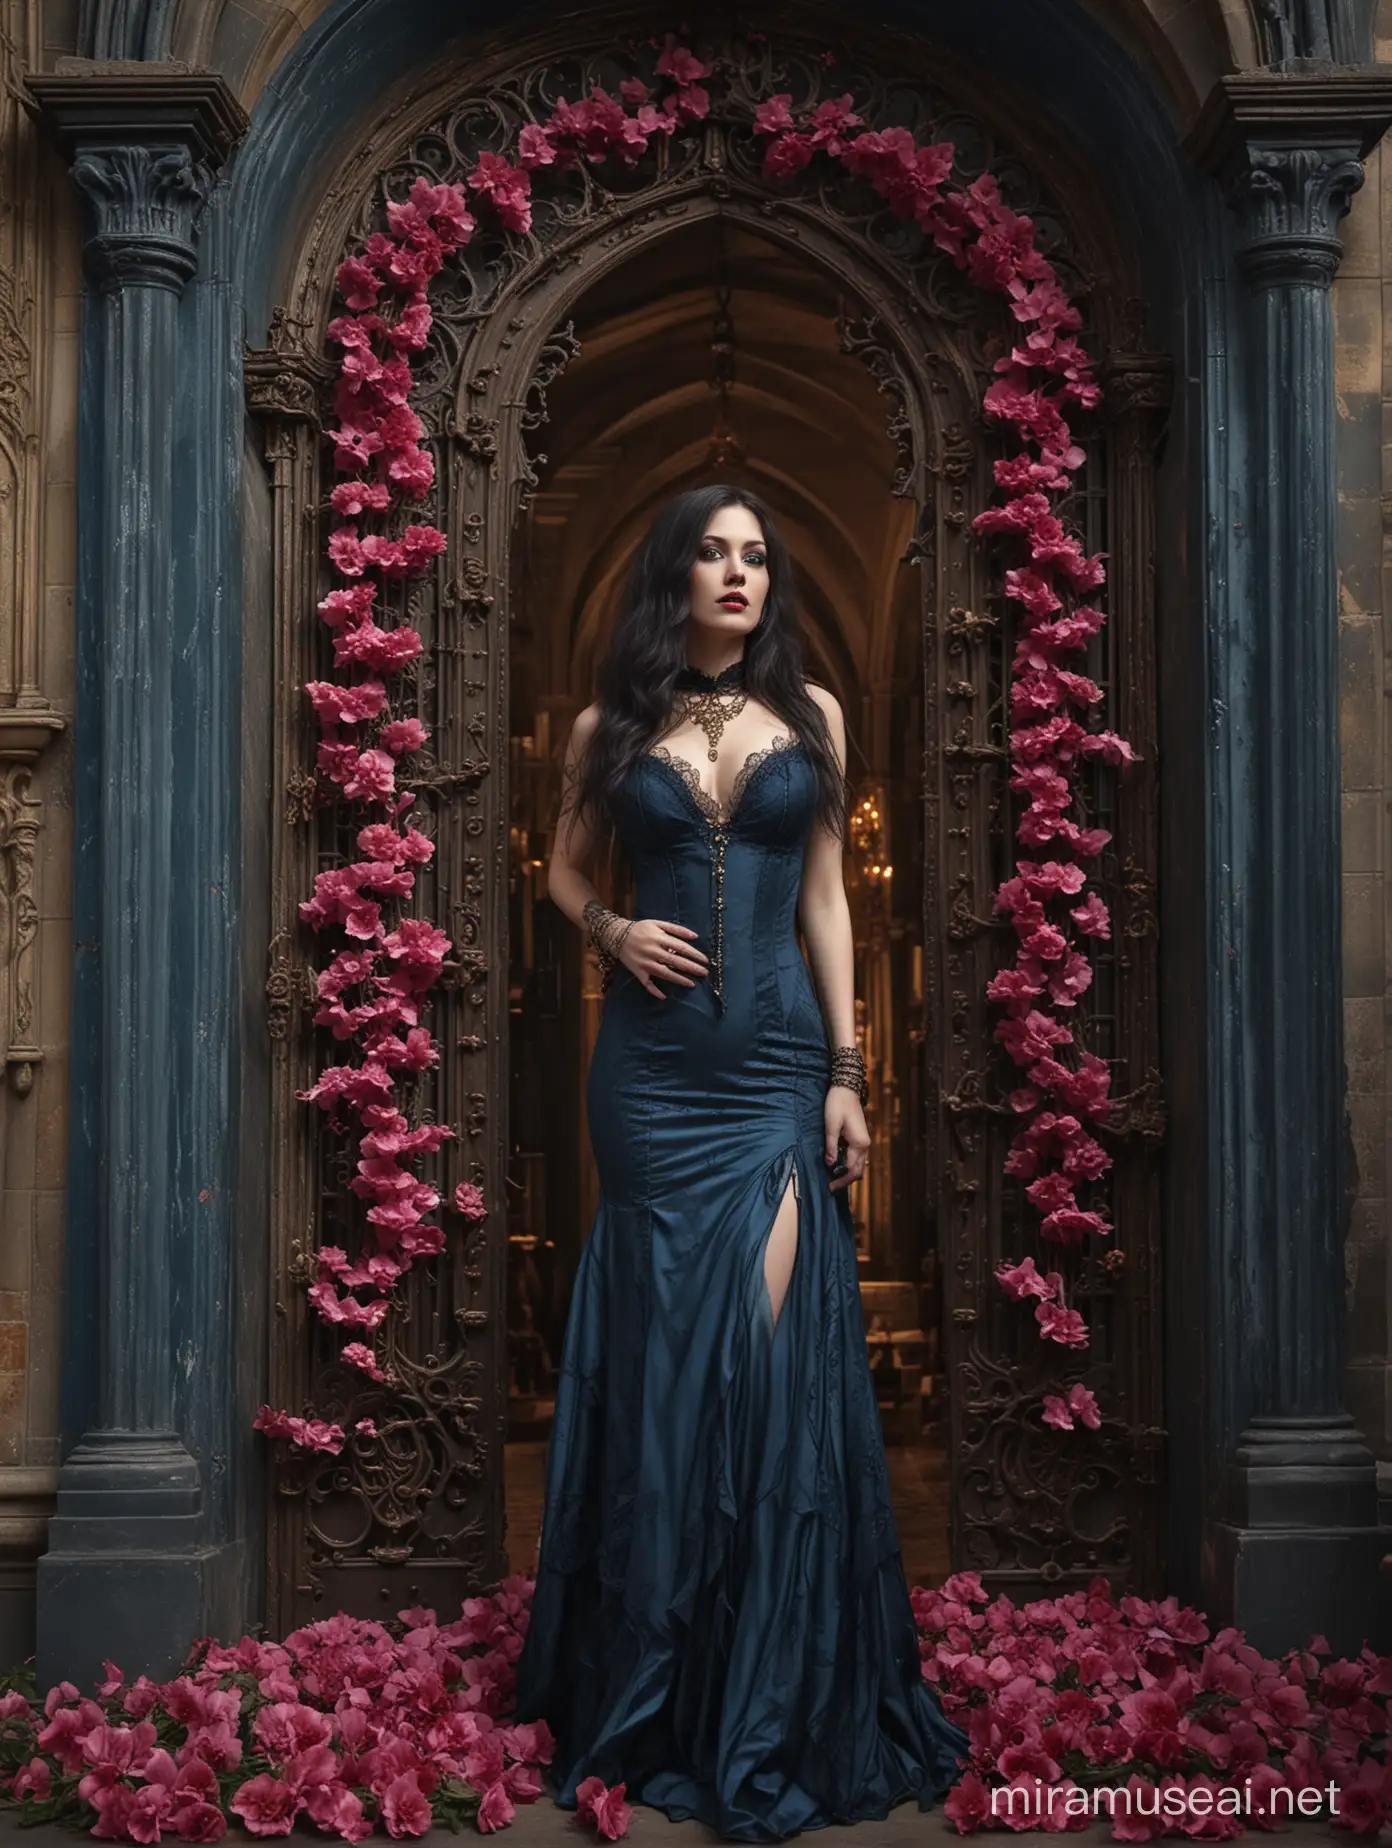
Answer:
(416, 1514)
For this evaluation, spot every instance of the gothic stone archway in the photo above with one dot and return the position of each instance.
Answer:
(417, 1516)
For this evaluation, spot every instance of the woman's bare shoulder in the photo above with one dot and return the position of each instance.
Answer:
(584, 725)
(827, 700)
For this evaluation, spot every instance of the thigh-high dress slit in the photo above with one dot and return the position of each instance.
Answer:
(720, 1619)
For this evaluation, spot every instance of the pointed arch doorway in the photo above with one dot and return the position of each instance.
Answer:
(720, 355)
(907, 627)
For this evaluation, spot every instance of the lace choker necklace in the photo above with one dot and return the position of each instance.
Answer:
(710, 699)
(696, 680)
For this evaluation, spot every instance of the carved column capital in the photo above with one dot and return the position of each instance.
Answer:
(1140, 389)
(145, 205)
(145, 145)
(286, 380)
(1288, 149)
(1290, 201)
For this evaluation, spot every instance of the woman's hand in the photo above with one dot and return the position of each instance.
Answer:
(844, 1117)
(653, 947)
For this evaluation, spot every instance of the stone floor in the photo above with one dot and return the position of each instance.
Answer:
(541, 1825)
(918, 1478)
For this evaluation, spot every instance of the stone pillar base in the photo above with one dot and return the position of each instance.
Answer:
(1284, 1585)
(140, 1610)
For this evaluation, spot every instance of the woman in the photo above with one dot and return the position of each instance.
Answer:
(720, 1618)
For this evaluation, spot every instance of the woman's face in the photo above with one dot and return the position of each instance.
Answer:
(729, 580)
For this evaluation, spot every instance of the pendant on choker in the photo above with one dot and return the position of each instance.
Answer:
(708, 700)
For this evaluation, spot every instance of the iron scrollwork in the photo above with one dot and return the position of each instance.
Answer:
(418, 1511)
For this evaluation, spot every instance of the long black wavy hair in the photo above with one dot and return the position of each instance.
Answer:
(636, 679)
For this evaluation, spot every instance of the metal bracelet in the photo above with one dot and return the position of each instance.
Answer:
(848, 1070)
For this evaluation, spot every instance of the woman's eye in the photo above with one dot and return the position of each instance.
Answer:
(755, 558)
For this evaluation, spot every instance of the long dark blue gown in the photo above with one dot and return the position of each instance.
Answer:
(720, 1618)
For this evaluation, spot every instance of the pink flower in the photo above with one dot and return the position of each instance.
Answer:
(358, 1354)
(507, 189)
(344, 1312)
(373, 777)
(340, 705)
(338, 1811)
(1057, 1412)
(358, 283)
(605, 1808)
(286, 1728)
(413, 471)
(1140, 1819)
(119, 1749)
(1107, 745)
(1092, 917)
(1065, 1326)
(612, 1814)
(468, 1200)
(403, 735)
(352, 604)
(534, 147)
(267, 1805)
(405, 1810)
(787, 155)
(421, 1241)
(346, 552)
(680, 63)
(445, 208)
(1030, 1039)
(350, 498)
(775, 117)
(1069, 1225)
(496, 1809)
(411, 329)
(306, 1434)
(1023, 1280)
(33, 1780)
(420, 544)
(830, 121)
(967, 1804)
(418, 948)
(198, 1822)
(1365, 1803)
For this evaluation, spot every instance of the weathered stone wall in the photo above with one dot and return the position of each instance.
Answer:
(39, 307)
(39, 297)
(1364, 385)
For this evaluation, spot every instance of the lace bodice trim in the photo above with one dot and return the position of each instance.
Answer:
(707, 803)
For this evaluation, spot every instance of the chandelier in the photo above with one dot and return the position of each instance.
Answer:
(724, 451)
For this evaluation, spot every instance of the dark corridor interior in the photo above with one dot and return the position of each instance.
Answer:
(724, 357)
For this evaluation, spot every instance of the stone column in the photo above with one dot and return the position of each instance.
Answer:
(126, 1572)
(1296, 1548)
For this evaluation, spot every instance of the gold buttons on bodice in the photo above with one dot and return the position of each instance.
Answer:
(709, 700)
(720, 833)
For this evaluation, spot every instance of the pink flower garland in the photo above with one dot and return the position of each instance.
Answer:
(373, 991)
(357, 1727)
(1052, 913)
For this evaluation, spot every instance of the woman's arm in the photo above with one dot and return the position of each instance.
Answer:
(651, 948)
(825, 916)
(573, 847)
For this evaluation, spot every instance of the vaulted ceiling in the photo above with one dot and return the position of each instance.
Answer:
(631, 422)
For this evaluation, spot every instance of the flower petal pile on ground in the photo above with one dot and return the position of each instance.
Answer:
(359, 1728)
(1205, 1734)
